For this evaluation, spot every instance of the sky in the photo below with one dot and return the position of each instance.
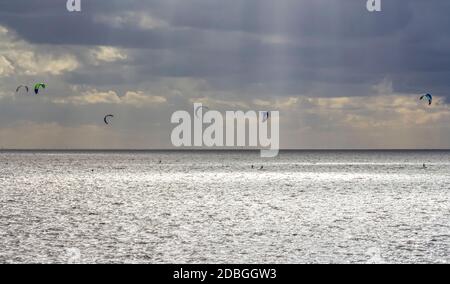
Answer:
(341, 77)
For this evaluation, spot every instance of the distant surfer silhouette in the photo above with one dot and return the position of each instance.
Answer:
(424, 166)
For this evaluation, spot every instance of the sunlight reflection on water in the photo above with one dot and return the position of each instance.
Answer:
(344, 207)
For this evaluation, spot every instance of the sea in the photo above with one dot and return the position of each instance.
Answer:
(224, 207)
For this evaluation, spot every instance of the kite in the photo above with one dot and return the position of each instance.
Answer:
(22, 87)
(427, 97)
(39, 86)
(107, 117)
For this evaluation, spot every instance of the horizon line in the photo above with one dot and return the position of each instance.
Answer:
(204, 149)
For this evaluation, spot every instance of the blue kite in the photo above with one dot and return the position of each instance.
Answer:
(427, 97)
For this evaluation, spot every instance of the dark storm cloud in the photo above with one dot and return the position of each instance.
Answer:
(289, 54)
(312, 18)
(281, 46)
(318, 18)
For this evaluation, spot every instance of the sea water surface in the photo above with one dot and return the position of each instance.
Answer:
(212, 207)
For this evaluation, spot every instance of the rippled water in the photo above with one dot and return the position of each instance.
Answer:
(202, 207)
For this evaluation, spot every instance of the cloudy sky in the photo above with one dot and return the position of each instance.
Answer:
(340, 76)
